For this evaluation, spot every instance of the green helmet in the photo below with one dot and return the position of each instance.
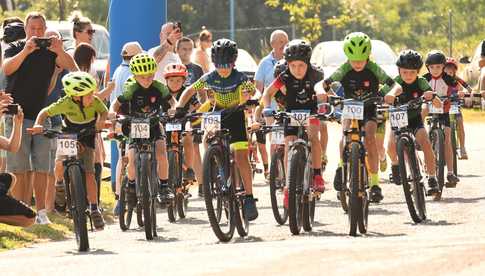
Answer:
(143, 64)
(78, 84)
(357, 46)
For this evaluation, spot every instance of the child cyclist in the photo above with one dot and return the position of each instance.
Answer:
(442, 84)
(142, 94)
(451, 67)
(81, 110)
(361, 77)
(297, 84)
(409, 63)
(175, 75)
(228, 87)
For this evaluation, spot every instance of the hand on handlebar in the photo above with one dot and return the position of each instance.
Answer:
(36, 129)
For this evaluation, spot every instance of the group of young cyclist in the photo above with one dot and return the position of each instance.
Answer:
(298, 85)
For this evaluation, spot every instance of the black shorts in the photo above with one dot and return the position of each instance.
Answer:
(415, 123)
(235, 122)
(12, 207)
(260, 137)
(445, 119)
(370, 114)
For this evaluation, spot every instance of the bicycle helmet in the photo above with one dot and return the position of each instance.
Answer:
(143, 64)
(298, 49)
(357, 46)
(78, 84)
(175, 70)
(409, 59)
(435, 57)
(280, 67)
(451, 61)
(224, 53)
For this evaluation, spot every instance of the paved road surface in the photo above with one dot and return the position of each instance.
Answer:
(452, 241)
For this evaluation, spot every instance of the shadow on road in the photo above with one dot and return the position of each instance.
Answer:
(461, 200)
(382, 235)
(248, 239)
(381, 211)
(433, 223)
(192, 221)
(92, 252)
(160, 239)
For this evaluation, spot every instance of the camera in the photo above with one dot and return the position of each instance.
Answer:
(43, 42)
(177, 25)
(12, 109)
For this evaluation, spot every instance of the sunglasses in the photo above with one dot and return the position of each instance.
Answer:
(90, 32)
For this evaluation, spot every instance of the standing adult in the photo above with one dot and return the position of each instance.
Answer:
(265, 76)
(200, 54)
(82, 31)
(185, 47)
(165, 52)
(29, 69)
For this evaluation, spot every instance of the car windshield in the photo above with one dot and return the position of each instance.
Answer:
(334, 56)
(100, 42)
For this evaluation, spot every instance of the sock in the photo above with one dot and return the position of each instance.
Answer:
(163, 183)
(94, 206)
(265, 167)
(249, 196)
(317, 171)
(131, 184)
(450, 173)
(374, 179)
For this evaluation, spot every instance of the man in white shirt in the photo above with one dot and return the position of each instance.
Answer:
(165, 52)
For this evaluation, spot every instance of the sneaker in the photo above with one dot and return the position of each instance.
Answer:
(463, 155)
(396, 178)
(188, 174)
(286, 200)
(432, 186)
(376, 194)
(383, 165)
(97, 218)
(318, 183)
(250, 210)
(324, 161)
(165, 195)
(337, 181)
(452, 180)
(42, 217)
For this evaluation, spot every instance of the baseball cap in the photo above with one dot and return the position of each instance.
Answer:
(131, 49)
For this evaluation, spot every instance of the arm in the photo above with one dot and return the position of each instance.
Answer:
(259, 85)
(12, 144)
(103, 94)
(101, 120)
(115, 106)
(186, 95)
(161, 51)
(63, 60)
(12, 64)
(201, 58)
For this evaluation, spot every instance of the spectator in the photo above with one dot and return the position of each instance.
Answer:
(82, 30)
(185, 47)
(265, 72)
(12, 211)
(29, 71)
(120, 75)
(85, 55)
(200, 55)
(164, 53)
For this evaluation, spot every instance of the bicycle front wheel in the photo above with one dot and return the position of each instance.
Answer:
(77, 189)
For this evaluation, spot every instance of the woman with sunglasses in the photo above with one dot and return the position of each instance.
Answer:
(82, 31)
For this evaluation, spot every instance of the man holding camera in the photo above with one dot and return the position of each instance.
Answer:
(29, 65)
(164, 54)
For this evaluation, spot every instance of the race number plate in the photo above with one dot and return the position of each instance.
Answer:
(455, 109)
(173, 127)
(435, 110)
(67, 144)
(140, 129)
(299, 117)
(278, 137)
(353, 110)
(211, 122)
(398, 117)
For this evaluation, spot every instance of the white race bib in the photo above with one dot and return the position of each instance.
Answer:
(353, 110)
(435, 110)
(211, 122)
(278, 137)
(299, 118)
(455, 109)
(173, 127)
(140, 129)
(398, 117)
(67, 144)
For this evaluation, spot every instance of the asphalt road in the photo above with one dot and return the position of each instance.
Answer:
(451, 241)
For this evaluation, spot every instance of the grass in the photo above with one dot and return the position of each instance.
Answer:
(473, 115)
(12, 237)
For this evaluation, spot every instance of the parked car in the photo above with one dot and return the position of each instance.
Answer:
(100, 43)
(330, 55)
(245, 63)
(472, 71)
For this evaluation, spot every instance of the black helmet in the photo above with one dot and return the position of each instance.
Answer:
(279, 67)
(435, 57)
(298, 49)
(224, 52)
(409, 59)
(13, 32)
